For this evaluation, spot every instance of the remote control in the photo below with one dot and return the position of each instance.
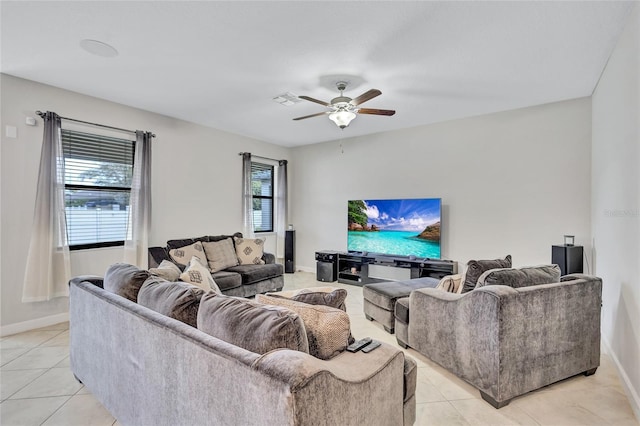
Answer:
(359, 344)
(371, 346)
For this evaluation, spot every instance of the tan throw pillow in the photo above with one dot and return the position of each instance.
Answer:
(327, 328)
(182, 256)
(198, 274)
(250, 325)
(220, 254)
(249, 251)
(167, 270)
(450, 283)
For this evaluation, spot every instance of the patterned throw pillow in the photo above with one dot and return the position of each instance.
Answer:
(328, 329)
(249, 251)
(183, 255)
(198, 274)
(167, 270)
(220, 254)
(475, 268)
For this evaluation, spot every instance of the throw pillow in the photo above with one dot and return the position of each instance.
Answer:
(249, 251)
(167, 270)
(125, 280)
(177, 300)
(475, 268)
(522, 277)
(250, 325)
(327, 328)
(220, 254)
(183, 255)
(450, 283)
(198, 274)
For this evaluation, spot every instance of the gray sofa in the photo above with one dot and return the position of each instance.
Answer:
(507, 341)
(149, 369)
(240, 280)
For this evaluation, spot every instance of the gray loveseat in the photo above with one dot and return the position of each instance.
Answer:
(150, 369)
(240, 280)
(507, 341)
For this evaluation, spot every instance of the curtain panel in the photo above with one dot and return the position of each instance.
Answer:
(282, 206)
(247, 196)
(48, 266)
(137, 242)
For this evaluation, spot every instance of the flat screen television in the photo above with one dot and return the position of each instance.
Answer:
(396, 227)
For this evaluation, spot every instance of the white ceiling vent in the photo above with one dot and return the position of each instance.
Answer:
(286, 99)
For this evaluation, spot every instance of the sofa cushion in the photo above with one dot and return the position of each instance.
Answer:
(125, 280)
(198, 274)
(176, 300)
(220, 254)
(227, 280)
(183, 255)
(157, 255)
(174, 244)
(475, 268)
(328, 329)
(249, 251)
(253, 326)
(328, 296)
(402, 310)
(254, 273)
(167, 270)
(450, 283)
(521, 277)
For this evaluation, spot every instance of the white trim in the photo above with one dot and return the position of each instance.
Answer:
(20, 327)
(306, 269)
(632, 393)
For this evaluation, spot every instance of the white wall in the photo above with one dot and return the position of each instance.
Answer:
(196, 182)
(511, 183)
(616, 203)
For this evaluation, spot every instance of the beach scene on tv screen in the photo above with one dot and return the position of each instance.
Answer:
(401, 227)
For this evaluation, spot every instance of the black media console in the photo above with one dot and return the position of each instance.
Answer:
(353, 267)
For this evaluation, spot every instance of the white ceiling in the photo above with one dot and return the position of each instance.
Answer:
(220, 63)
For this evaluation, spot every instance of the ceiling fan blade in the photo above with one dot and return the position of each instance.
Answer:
(318, 114)
(365, 97)
(376, 111)
(307, 98)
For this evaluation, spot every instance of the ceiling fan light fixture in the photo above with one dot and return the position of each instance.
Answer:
(342, 118)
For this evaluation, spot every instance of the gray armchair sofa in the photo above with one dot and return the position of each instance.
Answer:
(240, 280)
(507, 341)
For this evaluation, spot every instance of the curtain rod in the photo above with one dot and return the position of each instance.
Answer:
(42, 114)
(257, 156)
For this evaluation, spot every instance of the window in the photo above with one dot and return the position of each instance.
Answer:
(98, 171)
(262, 187)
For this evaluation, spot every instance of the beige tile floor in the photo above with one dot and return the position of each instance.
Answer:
(37, 387)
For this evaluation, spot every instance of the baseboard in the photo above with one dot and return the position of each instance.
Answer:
(632, 393)
(306, 269)
(20, 327)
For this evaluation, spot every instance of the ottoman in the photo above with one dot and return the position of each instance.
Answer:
(380, 298)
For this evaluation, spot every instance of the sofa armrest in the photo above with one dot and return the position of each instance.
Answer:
(339, 388)
(93, 279)
(268, 257)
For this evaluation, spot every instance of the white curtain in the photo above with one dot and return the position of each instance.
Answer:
(48, 267)
(247, 197)
(137, 243)
(281, 207)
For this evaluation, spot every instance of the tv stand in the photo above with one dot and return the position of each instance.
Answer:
(353, 267)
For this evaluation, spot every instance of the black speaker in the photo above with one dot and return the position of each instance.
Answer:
(569, 258)
(326, 266)
(289, 251)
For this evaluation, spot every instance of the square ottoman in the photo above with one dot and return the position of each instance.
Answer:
(380, 298)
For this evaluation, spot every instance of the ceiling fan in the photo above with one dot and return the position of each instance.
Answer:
(344, 109)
